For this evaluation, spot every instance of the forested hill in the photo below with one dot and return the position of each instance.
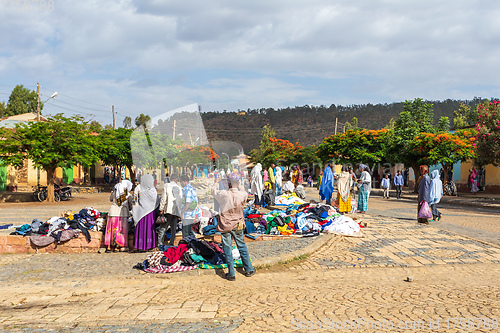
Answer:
(310, 124)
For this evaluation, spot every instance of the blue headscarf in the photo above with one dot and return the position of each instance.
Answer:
(327, 181)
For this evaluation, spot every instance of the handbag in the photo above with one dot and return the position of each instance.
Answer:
(161, 219)
(425, 211)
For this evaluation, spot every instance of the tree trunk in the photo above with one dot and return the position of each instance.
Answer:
(445, 170)
(416, 171)
(51, 173)
(132, 173)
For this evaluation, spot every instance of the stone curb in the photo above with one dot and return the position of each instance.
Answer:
(268, 261)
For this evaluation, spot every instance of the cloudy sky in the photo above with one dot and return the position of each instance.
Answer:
(151, 56)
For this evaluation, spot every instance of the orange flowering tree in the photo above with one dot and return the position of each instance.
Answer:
(281, 152)
(445, 148)
(488, 133)
(354, 146)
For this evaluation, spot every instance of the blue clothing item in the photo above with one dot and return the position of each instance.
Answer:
(385, 183)
(239, 239)
(327, 182)
(210, 230)
(398, 180)
(189, 195)
(363, 200)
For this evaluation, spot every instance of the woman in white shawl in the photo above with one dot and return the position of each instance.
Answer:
(436, 194)
(344, 182)
(144, 214)
(257, 186)
(365, 187)
(117, 226)
(279, 179)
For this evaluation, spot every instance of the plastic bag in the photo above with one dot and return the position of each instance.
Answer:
(425, 211)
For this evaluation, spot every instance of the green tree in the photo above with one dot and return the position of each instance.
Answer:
(464, 116)
(127, 122)
(443, 124)
(256, 155)
(114, 149)
(354, 147)
(95, 126)
(3, 109)
(22, 100)
(58, 142)
(353, 125)
(142, 120)
(488, 133)
(416, 117)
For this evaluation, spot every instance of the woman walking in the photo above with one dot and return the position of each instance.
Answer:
(144, 214)
(435, 195)
(365, 187)
(117, 227)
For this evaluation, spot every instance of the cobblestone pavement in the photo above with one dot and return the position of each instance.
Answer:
(356, 280)
(42, 267)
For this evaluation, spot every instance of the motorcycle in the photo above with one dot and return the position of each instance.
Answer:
(40, 193)
(64, 193)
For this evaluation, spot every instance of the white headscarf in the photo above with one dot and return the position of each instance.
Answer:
(278, 176)
(436, 187)
(148, 200)
(256, 180)
(122, 186)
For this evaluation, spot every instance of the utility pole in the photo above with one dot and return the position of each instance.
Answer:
(37, 101)
(113, 110)
(336, 125)
(173, 134)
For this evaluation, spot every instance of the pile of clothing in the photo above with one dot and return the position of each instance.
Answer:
(288, 199)
(191, 253)
(60, 229)
(303, 219)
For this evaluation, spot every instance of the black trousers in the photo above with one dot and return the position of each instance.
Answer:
(399, 189)
(172, 222)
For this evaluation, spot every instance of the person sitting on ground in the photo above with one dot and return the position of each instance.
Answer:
(231, 225)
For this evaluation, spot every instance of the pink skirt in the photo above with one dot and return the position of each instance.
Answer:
(116, 232)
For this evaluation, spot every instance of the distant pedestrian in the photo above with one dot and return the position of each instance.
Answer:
(272, 178)
(232, 224)
(279, 179)
(436, 193)
(189, 205)
(167, 178)
(365, 186)
(310, 181)
(386, 185)
(144, 214)
(155, 179)
(398, 182)
(474, 180)
(424, 190)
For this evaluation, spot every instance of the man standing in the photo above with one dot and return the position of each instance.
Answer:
(170, 204)
(386, 184)
(189, 204)
(398, 182)
(424, 190)
(272, 179)
(231, 225)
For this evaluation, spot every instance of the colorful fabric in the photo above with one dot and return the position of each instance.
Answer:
(116, 232)
(145, 234)
(206, 265)
(168, 269)
(154, 259)
(327, 182)
(344, 206)
(175, 253)
(188, 197)
(363, 200)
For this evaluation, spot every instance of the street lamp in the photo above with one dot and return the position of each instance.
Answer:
(53, 95)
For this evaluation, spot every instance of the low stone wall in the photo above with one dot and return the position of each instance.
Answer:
(20, 244)
(16, 196)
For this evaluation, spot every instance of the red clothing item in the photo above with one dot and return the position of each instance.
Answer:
(253, 216)
(174, 253)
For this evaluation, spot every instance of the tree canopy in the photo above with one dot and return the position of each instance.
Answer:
(21, 100)
(488, 133)
(58, 142)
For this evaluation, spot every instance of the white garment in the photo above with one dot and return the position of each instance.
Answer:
(171, 199)
(148, 199)
(436, 187)
(256, 179)
(366, 181)
(278, 176)
(288, 187)
(343, 225)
